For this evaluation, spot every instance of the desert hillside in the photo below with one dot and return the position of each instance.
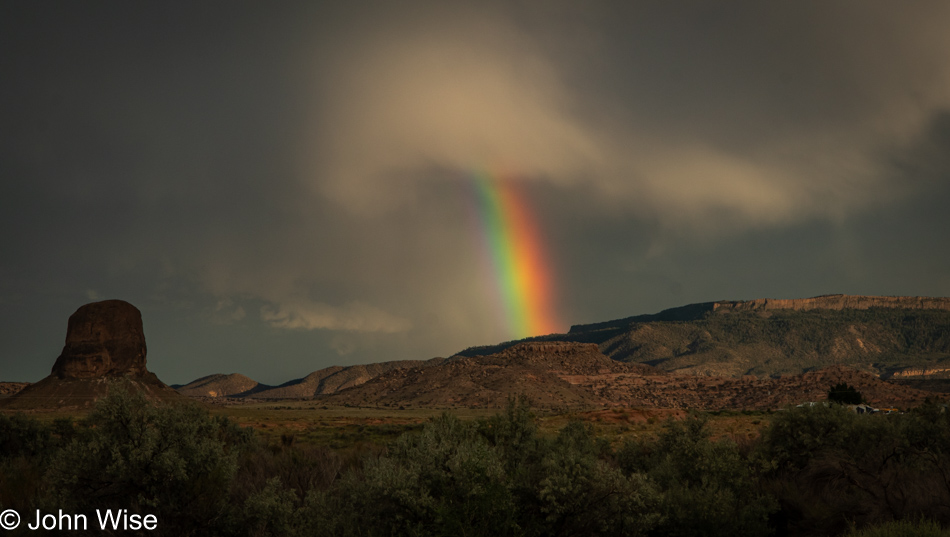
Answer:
(538, 370)
(907, 337)
(220, 385)
(576, 375)
(333, 379)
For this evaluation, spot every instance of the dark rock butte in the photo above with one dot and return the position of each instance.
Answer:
(105, 347)
(103, 339)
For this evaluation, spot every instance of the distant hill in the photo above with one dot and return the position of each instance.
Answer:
(219, 385)
(324, 381)
(577, 375)
(538, 370)
(907, 337)
(333, 379)
(8, 389)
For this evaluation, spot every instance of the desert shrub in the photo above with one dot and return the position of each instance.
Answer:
(20, 483)
(708, 487)
(269, 512)
(831, 468)
(26, 445)
(494, 477)
(580, 493)
(23, 436)
(272, 481)
(795, 436)
(453, 477)
(902, 528)
(175, 461)
(300, 468)
(567, 485)
(445, 481)
(514, 433)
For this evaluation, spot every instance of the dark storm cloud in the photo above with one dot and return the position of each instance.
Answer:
(286, 185)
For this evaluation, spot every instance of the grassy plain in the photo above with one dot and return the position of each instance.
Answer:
(313, 422)
(339, 426)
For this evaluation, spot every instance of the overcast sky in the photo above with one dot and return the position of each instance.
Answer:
(281, 187)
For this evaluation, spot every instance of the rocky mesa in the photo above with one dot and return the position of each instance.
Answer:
(835, 302)
(773, 337)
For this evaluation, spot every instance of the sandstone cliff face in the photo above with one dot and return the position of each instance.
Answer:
(835, 302)
(921, 372)
(103, 339)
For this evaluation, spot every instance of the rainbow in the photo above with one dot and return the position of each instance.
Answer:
(511, 240)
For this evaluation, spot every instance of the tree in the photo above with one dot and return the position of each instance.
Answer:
(844, 394)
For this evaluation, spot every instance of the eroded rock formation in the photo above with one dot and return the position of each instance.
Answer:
(105, 346)
(103, 339)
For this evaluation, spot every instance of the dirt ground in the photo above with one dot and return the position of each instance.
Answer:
(313, 422)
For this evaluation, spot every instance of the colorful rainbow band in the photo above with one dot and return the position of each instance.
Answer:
(520, 267)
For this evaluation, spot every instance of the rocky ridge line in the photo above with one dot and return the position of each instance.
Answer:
(834, 302)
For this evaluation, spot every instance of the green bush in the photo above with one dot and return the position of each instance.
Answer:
(828, 469)
(708, 487)
(515, 434)
(21, 436)
(831, 468)
(174, 461)
(495, 477)
(270, 512)
(25, 448)
(580, 493)
(795, 436)
(902, 528)
(445, 481)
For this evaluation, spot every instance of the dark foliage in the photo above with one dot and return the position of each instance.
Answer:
(819, 470)
(831, 468)
(174, 461)
(708, 487)
(845, 394)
